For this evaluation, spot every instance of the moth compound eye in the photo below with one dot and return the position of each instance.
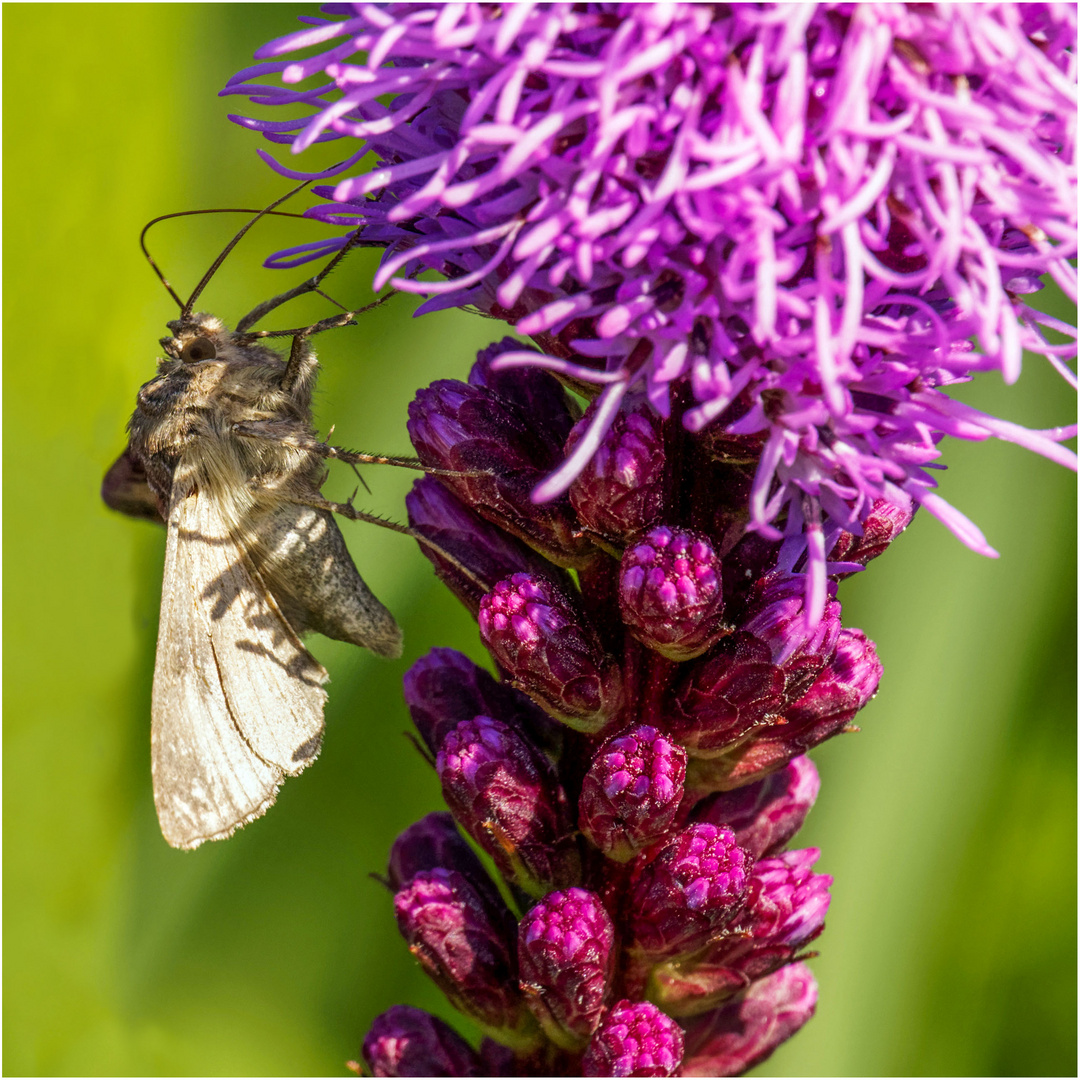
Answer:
(199, 349)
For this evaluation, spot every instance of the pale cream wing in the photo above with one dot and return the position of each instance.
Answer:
(238, 700)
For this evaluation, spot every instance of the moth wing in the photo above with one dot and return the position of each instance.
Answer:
(237, 699)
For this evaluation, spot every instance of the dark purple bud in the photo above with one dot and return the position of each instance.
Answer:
(634, 1039)
(465, 943)
(444, 687)
(766, 814)
(483, 550)
(732, 1039)
(689, 892)
(670, 592)
(503, 456)
(884, 524)
(621, 490)
(504, 793)
(550, 651)
(837, 694)
(566, 958)
(724, 695)
(404, 1041)
(536, 394)
(434, 843)
(632, 792)
(778, 620)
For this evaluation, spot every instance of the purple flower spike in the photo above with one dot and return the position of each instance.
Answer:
(725, 695)
(502, 454)
(886, 521)
(404, 1041)
(766, 814)
(732, 1039)
(464, 941)
(534, 631)
(670, 592)
(565, 961)
(485, 551)
(689, 892)
(632, 792)
(503, 792)
(621, 490)
(635, 1039)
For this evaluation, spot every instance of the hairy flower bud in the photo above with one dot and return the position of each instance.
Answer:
(404, 1041)
(566, 957)
(502, 457)
(689, 892)
(884, 524)
(445, 687)
(634, 1039)
(620, 491)
(670, 592)
(724, 695)
(504, 793)
(550, 651)
(779, 620)
(766, 814)
(487, 552)
(632, 792)
(745, 1031)
(434, 843)
(465, 943)
(837, 694)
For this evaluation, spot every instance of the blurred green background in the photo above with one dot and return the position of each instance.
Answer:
(949, 822)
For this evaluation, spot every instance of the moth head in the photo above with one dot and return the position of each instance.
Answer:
(196, 339)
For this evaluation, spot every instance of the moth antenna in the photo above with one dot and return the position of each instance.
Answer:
(187, 309)
(189, 213)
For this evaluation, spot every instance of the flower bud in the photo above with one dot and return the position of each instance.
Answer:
(404, 1041)
(502, 456)
(444, 687)
(634, 1039)
(837, 694)
(535, 393)
(465, 943)
(670, 592)
(885, 522)
(784, 912)
(504, 793)
(730, 1040)
(779, 621)
(621, 489)
(434, 843)
(483, 549)
(766, 814)
(724, 695)
(632, 792)
(689, 892)
(566, 957)
(550, 651)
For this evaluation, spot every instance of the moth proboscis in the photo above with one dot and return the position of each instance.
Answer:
(223, 450)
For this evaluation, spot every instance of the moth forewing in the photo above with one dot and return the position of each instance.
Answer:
(237, 699)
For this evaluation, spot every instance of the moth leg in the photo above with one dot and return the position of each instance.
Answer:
(347, 510)
(285, 434)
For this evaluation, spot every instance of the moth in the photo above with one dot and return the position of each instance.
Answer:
(223, 450)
